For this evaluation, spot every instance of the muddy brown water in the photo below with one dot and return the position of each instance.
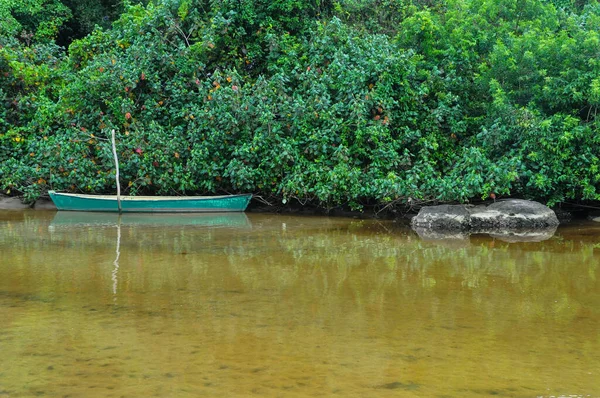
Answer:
(283, 306)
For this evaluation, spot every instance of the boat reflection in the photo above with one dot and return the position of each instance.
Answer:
(211, 220)
(89, 229)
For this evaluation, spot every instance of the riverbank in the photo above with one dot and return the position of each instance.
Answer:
(565, 212)
(15, 203)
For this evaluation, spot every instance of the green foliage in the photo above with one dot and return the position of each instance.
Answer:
(39, 20)
(352, 103)
(43, 21)
(89, 13)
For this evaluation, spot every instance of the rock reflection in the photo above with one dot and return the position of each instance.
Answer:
(461, 238)
(524, 236)
(447, 238)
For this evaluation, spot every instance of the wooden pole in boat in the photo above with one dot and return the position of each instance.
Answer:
(114, 149)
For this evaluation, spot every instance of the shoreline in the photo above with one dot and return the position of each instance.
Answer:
(565, 212)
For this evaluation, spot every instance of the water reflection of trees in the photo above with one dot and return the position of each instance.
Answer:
(366, 263)
(348, 303)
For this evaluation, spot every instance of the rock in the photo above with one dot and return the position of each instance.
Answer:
(442, 218)
(7, 203)
(513, 214)
(510, 214)
(13, 203)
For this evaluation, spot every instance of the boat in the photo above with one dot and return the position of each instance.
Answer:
(150, 204)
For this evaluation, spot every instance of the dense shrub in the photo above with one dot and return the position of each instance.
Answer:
(320, 102)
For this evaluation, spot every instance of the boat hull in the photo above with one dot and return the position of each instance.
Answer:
(151, 204)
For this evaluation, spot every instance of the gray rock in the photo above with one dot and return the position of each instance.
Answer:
(442, 218)
(13, 203)
(511, 214)
(7, 203)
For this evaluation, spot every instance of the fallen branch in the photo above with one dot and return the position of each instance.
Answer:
(262, 200)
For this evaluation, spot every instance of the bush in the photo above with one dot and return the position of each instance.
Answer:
(318, 103)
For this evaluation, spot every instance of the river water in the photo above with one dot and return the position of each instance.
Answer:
(285, 306)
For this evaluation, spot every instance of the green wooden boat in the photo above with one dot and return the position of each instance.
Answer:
(151, 204)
